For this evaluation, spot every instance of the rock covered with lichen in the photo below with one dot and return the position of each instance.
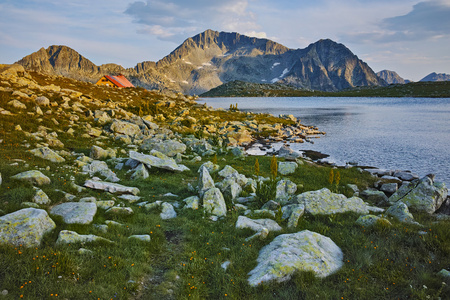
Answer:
(301, 251)
(25, 227)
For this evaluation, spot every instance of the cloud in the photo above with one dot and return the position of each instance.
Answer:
(177, 19)
(428, 20)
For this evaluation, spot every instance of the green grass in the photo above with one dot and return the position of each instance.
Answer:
(183, 259)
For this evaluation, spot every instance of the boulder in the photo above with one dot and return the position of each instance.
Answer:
(100, 167)
(140, 237)
(286, 168)
(214, 203)
(228, 171)
(374, 196)
(233, 190)
(167, 211)
(423, 195)
(405, 175)
(205, 181)
(158, 160)
(210, 166)
(25, 227)
(401, 212)
(324, 202)
(167, 147)
(289, 154)
(293, 213)
(113, 188)
(34, 177)
(75, 212)
(125, 128)
(99, 153)
(257, 225)
(301, 251)
(71, 237)
(285, 189)
(389, 188)
(40, 197)
(192, 202)
(140, 172)
(120, 211)
(104, 204)
(42, 101)
(371, 220)
(129, 198)
(48, 154)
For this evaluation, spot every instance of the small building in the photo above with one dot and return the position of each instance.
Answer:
(115, 81)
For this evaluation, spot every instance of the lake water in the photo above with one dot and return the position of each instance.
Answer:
(390, 133)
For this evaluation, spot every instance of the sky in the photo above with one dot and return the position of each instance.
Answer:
(411, 37)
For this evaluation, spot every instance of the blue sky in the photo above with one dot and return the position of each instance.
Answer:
(411, 37)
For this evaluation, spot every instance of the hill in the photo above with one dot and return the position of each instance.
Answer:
(436, 77)
(212, 58)
(391, 77)
(413, 89)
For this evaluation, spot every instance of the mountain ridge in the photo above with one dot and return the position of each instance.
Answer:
(436, 77)
(212, 58)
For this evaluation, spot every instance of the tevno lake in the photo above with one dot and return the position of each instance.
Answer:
(388, 133)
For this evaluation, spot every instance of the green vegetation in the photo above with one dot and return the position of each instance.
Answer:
(185, 256)
(414, 89)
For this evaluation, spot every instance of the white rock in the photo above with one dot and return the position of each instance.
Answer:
(301, 251)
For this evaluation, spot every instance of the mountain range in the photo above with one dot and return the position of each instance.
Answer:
(436, 77)
(212, 58)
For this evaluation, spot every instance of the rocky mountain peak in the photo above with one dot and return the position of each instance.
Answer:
(391, 77)
(211, 58)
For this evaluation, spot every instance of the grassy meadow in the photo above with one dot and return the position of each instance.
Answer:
(185, 256)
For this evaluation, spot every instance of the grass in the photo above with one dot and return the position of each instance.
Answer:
(185, 256)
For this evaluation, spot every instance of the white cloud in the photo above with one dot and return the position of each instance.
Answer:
(177, 20)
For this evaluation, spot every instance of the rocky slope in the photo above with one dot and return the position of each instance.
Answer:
(391, 77)
(212, 58)
(436, 77)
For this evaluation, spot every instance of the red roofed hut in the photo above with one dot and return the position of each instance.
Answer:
(115, 81)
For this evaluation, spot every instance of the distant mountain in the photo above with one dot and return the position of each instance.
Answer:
(391, 77)
(212, 58)
(436, 77)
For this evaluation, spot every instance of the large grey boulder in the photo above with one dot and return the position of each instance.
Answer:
(228, 171)
(40, 197)
(285, 189)
(374, 196)
(257, 225)
(205, 181)
(293, 213)
(110, 187)
(167, 147)
(401, 212)
(126, 128)
(324, 202)
(100, 153)
(100, 167)
(214, 203)
(75, 212)
(301, 251)
(25, 227)
(71, 237)
(288, 153)
(286, 168)
(157, 160)
(34, 177)
(48, 154)
(423, 195)
(405, 175)
(167, 211)
(140, 172)
(192, 202)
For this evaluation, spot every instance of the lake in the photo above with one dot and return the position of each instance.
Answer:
(389, 133)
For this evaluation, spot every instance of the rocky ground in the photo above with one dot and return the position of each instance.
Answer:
(86, 171)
